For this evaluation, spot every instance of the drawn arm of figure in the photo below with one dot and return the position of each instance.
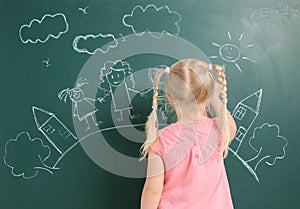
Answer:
(133, 90)
(102, 99)
(144, 92)
(92, 100)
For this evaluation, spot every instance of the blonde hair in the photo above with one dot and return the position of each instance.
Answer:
(189, 82)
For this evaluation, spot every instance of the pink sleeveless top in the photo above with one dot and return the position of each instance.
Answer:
(195, 176)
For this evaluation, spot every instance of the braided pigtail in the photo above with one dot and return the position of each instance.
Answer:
(152, 122)
(223, 117)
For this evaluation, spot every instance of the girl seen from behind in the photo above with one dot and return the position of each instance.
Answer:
(185, 159)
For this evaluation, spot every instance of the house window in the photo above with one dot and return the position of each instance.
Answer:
(64, 133)
(49, 129)
(240, 134)
(240, 113)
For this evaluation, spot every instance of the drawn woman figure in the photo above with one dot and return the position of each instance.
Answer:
(113, 83)
(83, 106)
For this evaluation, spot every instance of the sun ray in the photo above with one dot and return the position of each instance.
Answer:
(238, 67)
(241, 37)
(213, 57)
(247, 58)
(249, 45)
(229, 35)
(216, 44)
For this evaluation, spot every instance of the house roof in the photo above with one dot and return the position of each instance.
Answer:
(253, 101)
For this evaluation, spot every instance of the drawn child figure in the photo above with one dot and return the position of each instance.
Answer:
(185, 159)
(113, 83)
(83, 106)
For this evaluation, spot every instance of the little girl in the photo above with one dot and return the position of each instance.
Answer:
(185, 159)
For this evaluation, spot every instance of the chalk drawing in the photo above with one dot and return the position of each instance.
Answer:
(264, 146)
(102, 39)
(84, 107)
(47, 62)
(56, 20)
(57, 134)
(268, 146)
(43, 151)
(84, 10)
(245, 113)
(122, 37)
(282, 13)
(231, 53)
(26, 157)
(113, 77)
(152, 14)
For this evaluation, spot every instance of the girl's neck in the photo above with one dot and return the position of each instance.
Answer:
(191, 116)
(190, 120)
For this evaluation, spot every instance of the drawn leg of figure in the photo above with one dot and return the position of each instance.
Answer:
(121, 116)
(97, 123)
(88, 124)
(163, 115)
(131, 114)
(162, 106)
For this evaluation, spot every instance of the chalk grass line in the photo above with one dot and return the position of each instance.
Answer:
(245, 164)
(46, 167)
(99, 131)
(39, 22)
(147, 30)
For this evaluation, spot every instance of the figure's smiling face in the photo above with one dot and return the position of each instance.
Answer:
(77, 95)
(229, 52)
(115, 77)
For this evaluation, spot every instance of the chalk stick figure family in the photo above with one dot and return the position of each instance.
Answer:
(116, 82)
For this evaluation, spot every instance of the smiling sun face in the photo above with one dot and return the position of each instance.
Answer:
(230, 52)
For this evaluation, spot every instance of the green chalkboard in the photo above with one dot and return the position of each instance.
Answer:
(76, 86)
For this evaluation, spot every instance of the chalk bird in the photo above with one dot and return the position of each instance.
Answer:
(47, 62)
(84, 10)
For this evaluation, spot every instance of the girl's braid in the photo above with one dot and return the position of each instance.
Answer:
(222, 81)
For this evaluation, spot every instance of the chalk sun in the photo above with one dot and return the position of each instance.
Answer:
(230, 53)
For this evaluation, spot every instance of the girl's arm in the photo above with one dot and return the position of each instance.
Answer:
(154, 182)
